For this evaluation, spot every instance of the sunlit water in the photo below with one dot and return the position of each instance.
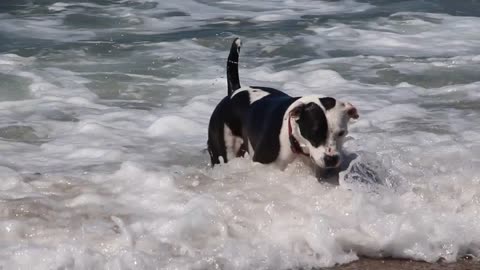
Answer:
(104, 107)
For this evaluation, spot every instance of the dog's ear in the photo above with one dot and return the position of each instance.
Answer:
(299, 110)
(351, 111)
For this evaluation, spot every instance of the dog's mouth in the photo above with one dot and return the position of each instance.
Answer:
(326, 165)
(333, 166)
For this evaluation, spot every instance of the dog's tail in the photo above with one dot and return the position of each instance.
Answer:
(233, 80)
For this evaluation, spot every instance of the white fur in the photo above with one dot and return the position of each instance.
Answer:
(239, 90)
(251, 152)
(232, 142)
(238, 42)
(253, 93)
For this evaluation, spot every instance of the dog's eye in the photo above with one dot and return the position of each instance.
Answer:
(341, 133)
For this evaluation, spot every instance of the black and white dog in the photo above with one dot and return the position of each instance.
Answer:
(275, 128)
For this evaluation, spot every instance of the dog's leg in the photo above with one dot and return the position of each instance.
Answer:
(233, 144)
(215, 154)
(216, 140)
(243, 149)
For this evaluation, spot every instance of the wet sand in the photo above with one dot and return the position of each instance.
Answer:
(394, 264)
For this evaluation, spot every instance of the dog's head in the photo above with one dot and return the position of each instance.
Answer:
(321, 126)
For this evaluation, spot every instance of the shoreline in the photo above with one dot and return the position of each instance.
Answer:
(399, 264)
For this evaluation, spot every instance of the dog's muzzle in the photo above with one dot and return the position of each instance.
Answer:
(331, 161)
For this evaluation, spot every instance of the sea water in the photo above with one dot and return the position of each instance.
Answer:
(104, 108)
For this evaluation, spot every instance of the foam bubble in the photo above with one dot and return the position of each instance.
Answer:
(58, 6)
(171, 126)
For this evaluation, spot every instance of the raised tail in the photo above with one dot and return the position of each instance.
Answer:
(233, 80)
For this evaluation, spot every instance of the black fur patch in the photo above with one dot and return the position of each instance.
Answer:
(271, 91)
(313, 123)
(264, 124)
(328, 103)
(230, 112)
(216, 140)
(239, 105)
(233, 81)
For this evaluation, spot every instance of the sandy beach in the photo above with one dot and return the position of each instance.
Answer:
(395, 264)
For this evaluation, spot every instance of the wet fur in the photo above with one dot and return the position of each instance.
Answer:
(255, 120)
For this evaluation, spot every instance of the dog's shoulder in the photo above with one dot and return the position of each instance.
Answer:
(265, 122)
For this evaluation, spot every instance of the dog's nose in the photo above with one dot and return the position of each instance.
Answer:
(331, 161)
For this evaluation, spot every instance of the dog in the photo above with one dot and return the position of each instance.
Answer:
(275, 128)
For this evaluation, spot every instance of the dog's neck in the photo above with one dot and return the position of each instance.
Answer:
(294, 144)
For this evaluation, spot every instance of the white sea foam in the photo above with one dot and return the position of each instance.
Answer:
(393, 35)
(103, 163)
